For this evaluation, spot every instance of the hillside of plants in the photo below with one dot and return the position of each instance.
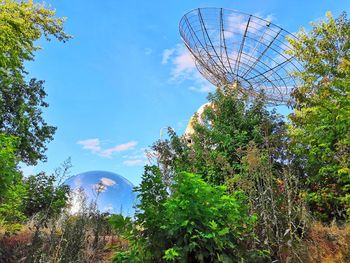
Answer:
(249, 185)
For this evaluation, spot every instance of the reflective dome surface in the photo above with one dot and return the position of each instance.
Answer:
(112, 192)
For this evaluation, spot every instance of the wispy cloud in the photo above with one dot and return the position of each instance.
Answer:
(184, 68)
(103, 184)
(118, 148)
(166, 55)
(108, 181)
(94, 146)
(182, 64)
(138, 157)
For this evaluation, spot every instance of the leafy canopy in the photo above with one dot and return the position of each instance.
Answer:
(22, 23)
(21, 116)
(320, 124)
(218, 142)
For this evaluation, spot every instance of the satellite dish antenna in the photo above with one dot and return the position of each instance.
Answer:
(237, 50)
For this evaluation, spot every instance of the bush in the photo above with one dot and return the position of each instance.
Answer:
(197, 222)
(44, 196)
(205, 224)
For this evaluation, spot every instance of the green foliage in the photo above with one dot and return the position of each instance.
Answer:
(205, 224)
(121, 224)
(147, 241)
(171, 254)
(196, 223)
(239, 143)
(21, 115)
(8, 163)
(22, 23)
(43, 195)
(275, 196)
(229, 124)
(12, 190)
(152, 194)
(320, 124)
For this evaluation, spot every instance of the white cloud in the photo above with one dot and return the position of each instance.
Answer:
(183, 63)
(134, 162)
(183, 68)
(138, 157)
(107, 181)
(94, 146)
(103, 184)
(167, 54)
(237, 24)
(118, 148)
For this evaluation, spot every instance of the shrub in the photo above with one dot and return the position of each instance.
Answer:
(197, 222)
(205, 224)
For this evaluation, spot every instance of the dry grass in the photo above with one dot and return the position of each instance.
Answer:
(17, 247)
(14, 248)
(327, 244)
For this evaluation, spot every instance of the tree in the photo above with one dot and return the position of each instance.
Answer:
(242, 145)
(21, 116)
(320, 124)
(47, 194)
(22, 23)
(12, 190)
(8, 163)
(218, 142)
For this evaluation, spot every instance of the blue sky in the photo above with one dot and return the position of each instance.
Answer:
(126, 74)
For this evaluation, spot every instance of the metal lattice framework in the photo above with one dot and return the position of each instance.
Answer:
(241, 50)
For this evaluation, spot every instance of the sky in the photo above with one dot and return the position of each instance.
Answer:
(126, 74)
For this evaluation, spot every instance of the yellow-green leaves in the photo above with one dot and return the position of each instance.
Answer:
(21, 24)
(320, 125)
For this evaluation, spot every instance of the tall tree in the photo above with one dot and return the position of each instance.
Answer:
(22, 23)
(21, 116)
(21, 103)
(320, 124)
(220, 138)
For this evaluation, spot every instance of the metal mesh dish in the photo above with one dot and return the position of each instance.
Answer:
(241, 50)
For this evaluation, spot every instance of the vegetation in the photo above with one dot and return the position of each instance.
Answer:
(243, 146)
(198, 223)
(84, 237)
(319, 127)
(245, 186)
(22, 23)
(291, 174)
(12, 189)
